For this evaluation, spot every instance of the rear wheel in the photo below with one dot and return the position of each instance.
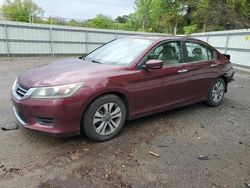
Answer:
(104, 118)
(216, 94)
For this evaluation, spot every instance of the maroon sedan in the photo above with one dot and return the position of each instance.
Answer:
(124, 79)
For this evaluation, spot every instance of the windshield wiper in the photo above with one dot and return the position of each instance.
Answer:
(94, 61)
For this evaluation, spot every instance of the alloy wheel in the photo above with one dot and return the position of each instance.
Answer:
(107, 119)
(218, 92)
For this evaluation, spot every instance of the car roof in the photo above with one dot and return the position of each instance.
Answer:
(163, 38)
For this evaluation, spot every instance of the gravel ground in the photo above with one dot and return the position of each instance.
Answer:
(198, 146)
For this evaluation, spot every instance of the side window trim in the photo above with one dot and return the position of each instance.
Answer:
(143, 61)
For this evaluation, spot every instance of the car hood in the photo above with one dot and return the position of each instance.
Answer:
(65, 72)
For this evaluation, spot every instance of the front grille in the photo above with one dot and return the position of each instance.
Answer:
(21, 91)
(45, 120)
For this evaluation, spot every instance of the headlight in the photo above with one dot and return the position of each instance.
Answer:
(56, 91)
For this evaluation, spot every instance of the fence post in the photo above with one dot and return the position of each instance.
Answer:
(51, 41)
(7, 39)
(207, 38)
(86, 41)
(228, 36)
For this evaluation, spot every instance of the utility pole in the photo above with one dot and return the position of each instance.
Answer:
(175, 27)
(29, 18)
(204, 27)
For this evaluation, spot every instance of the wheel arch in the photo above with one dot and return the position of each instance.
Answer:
(225, 80)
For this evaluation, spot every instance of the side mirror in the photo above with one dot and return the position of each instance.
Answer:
(153, 64)
(82, 57)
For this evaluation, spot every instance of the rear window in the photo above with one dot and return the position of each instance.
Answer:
(198, 52)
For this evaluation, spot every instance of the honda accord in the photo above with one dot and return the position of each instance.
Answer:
(122, 80)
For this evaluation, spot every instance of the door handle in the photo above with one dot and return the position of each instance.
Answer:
(182, 71)
(213, 65)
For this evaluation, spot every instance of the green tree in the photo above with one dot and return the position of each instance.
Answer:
(132, 23)
(239, 13)
(240, 6)
(172, 16)
(206, 13)
(190, 29)
(192, 15)
(21, 10)
(56, 21)
(121, 19)
(143, 11)
(159, 15)
(212, 15)
(73, 22)
(76, 23)
(155, 14)
(101, 21)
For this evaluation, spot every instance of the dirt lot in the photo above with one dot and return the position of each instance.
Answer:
(180, 137)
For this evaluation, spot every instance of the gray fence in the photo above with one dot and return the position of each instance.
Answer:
(26, 39)
(18, 38)
(234, 42)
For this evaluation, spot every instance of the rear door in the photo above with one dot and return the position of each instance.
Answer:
(200, 62)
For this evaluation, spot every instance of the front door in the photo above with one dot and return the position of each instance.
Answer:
(158, 89)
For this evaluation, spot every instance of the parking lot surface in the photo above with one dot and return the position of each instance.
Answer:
(194, 146)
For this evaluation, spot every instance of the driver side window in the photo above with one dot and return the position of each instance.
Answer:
(169, 53)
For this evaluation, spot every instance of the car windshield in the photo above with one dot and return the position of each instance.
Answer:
(119, 52)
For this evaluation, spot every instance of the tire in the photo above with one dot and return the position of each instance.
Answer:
(104, 118)
(216, 93)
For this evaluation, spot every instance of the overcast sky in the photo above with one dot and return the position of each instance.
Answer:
(84, 9)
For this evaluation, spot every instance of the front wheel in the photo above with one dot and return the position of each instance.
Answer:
(216, 93)
(104, 118)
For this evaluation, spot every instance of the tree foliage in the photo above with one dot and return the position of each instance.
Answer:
(122, 19)
(21, 10)
(101, 21)
(192, 15)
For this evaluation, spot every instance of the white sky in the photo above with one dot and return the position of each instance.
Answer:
(85, 9)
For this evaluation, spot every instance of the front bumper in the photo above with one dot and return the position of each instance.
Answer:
(57, 117)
